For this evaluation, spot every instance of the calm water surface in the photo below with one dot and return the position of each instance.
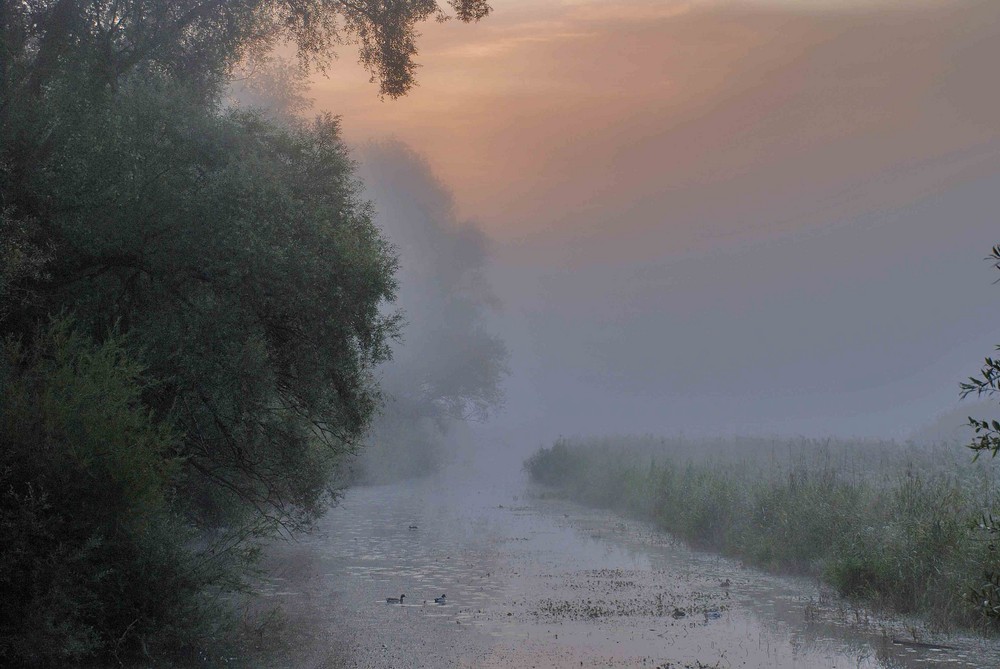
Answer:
(540, 583)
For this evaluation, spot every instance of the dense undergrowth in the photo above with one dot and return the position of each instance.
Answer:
(898, 527)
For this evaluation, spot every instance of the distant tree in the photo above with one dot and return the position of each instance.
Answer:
(274, 86)
(449, 366)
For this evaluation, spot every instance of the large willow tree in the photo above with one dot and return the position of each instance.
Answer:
(192, 301)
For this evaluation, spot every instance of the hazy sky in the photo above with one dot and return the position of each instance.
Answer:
(761, 216)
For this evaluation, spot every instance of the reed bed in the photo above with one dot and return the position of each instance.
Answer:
(897, 526)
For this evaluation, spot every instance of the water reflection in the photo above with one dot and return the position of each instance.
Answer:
(540, 582)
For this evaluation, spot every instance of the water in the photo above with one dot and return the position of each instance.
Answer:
(541, 583)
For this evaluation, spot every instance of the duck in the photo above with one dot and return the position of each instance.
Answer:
(725, 584)
(394, 600)
(678, 613)
(440, 600)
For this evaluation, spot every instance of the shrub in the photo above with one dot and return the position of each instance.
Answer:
(94, 563)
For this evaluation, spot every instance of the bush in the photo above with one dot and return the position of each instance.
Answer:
(94, 563)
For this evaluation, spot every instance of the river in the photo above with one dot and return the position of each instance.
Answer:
(535, 582)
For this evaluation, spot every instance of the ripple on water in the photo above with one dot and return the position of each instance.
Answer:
(552, 584)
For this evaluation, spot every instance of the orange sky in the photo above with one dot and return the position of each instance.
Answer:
(595, 130)
(791, 195)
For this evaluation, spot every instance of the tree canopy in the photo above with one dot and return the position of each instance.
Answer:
(201, 40)
(193, 302)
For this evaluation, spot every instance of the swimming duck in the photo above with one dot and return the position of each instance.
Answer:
(440, 600)
(725, 584)
(678, 613)
(394, 600)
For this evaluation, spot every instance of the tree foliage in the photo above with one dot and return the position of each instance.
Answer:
(987, 440)
(93, 559)
(193, 301)
(236, 253)
(201, 40)
(986, 384)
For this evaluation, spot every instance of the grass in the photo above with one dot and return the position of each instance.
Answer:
(896, 526)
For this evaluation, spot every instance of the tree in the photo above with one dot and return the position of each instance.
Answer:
(201, 40)
(987, 440)
(233, 251)
(236, 255)
(986, 384)
(449, 366)
(224, 268)
(93, 560)
(242, 273)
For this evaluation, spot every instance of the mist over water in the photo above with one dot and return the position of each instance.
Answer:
(541, 582)
(557, 333)
(743, 275)
(720, 217)
(863, 328)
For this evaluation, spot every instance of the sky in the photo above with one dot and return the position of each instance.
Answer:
(728, 216)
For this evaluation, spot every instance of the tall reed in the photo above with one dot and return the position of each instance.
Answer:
(894, 525)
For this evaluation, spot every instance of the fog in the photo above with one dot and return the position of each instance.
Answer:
(864, 327)
(446, 366)
(758, 251)
(719, 217)
(548, 333)
(716, 267)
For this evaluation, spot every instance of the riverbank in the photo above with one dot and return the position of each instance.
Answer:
(893, 526)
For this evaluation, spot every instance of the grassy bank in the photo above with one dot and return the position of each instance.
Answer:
(893, 525)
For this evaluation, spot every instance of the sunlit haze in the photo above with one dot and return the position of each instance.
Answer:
(738, 216)
(500, 334)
